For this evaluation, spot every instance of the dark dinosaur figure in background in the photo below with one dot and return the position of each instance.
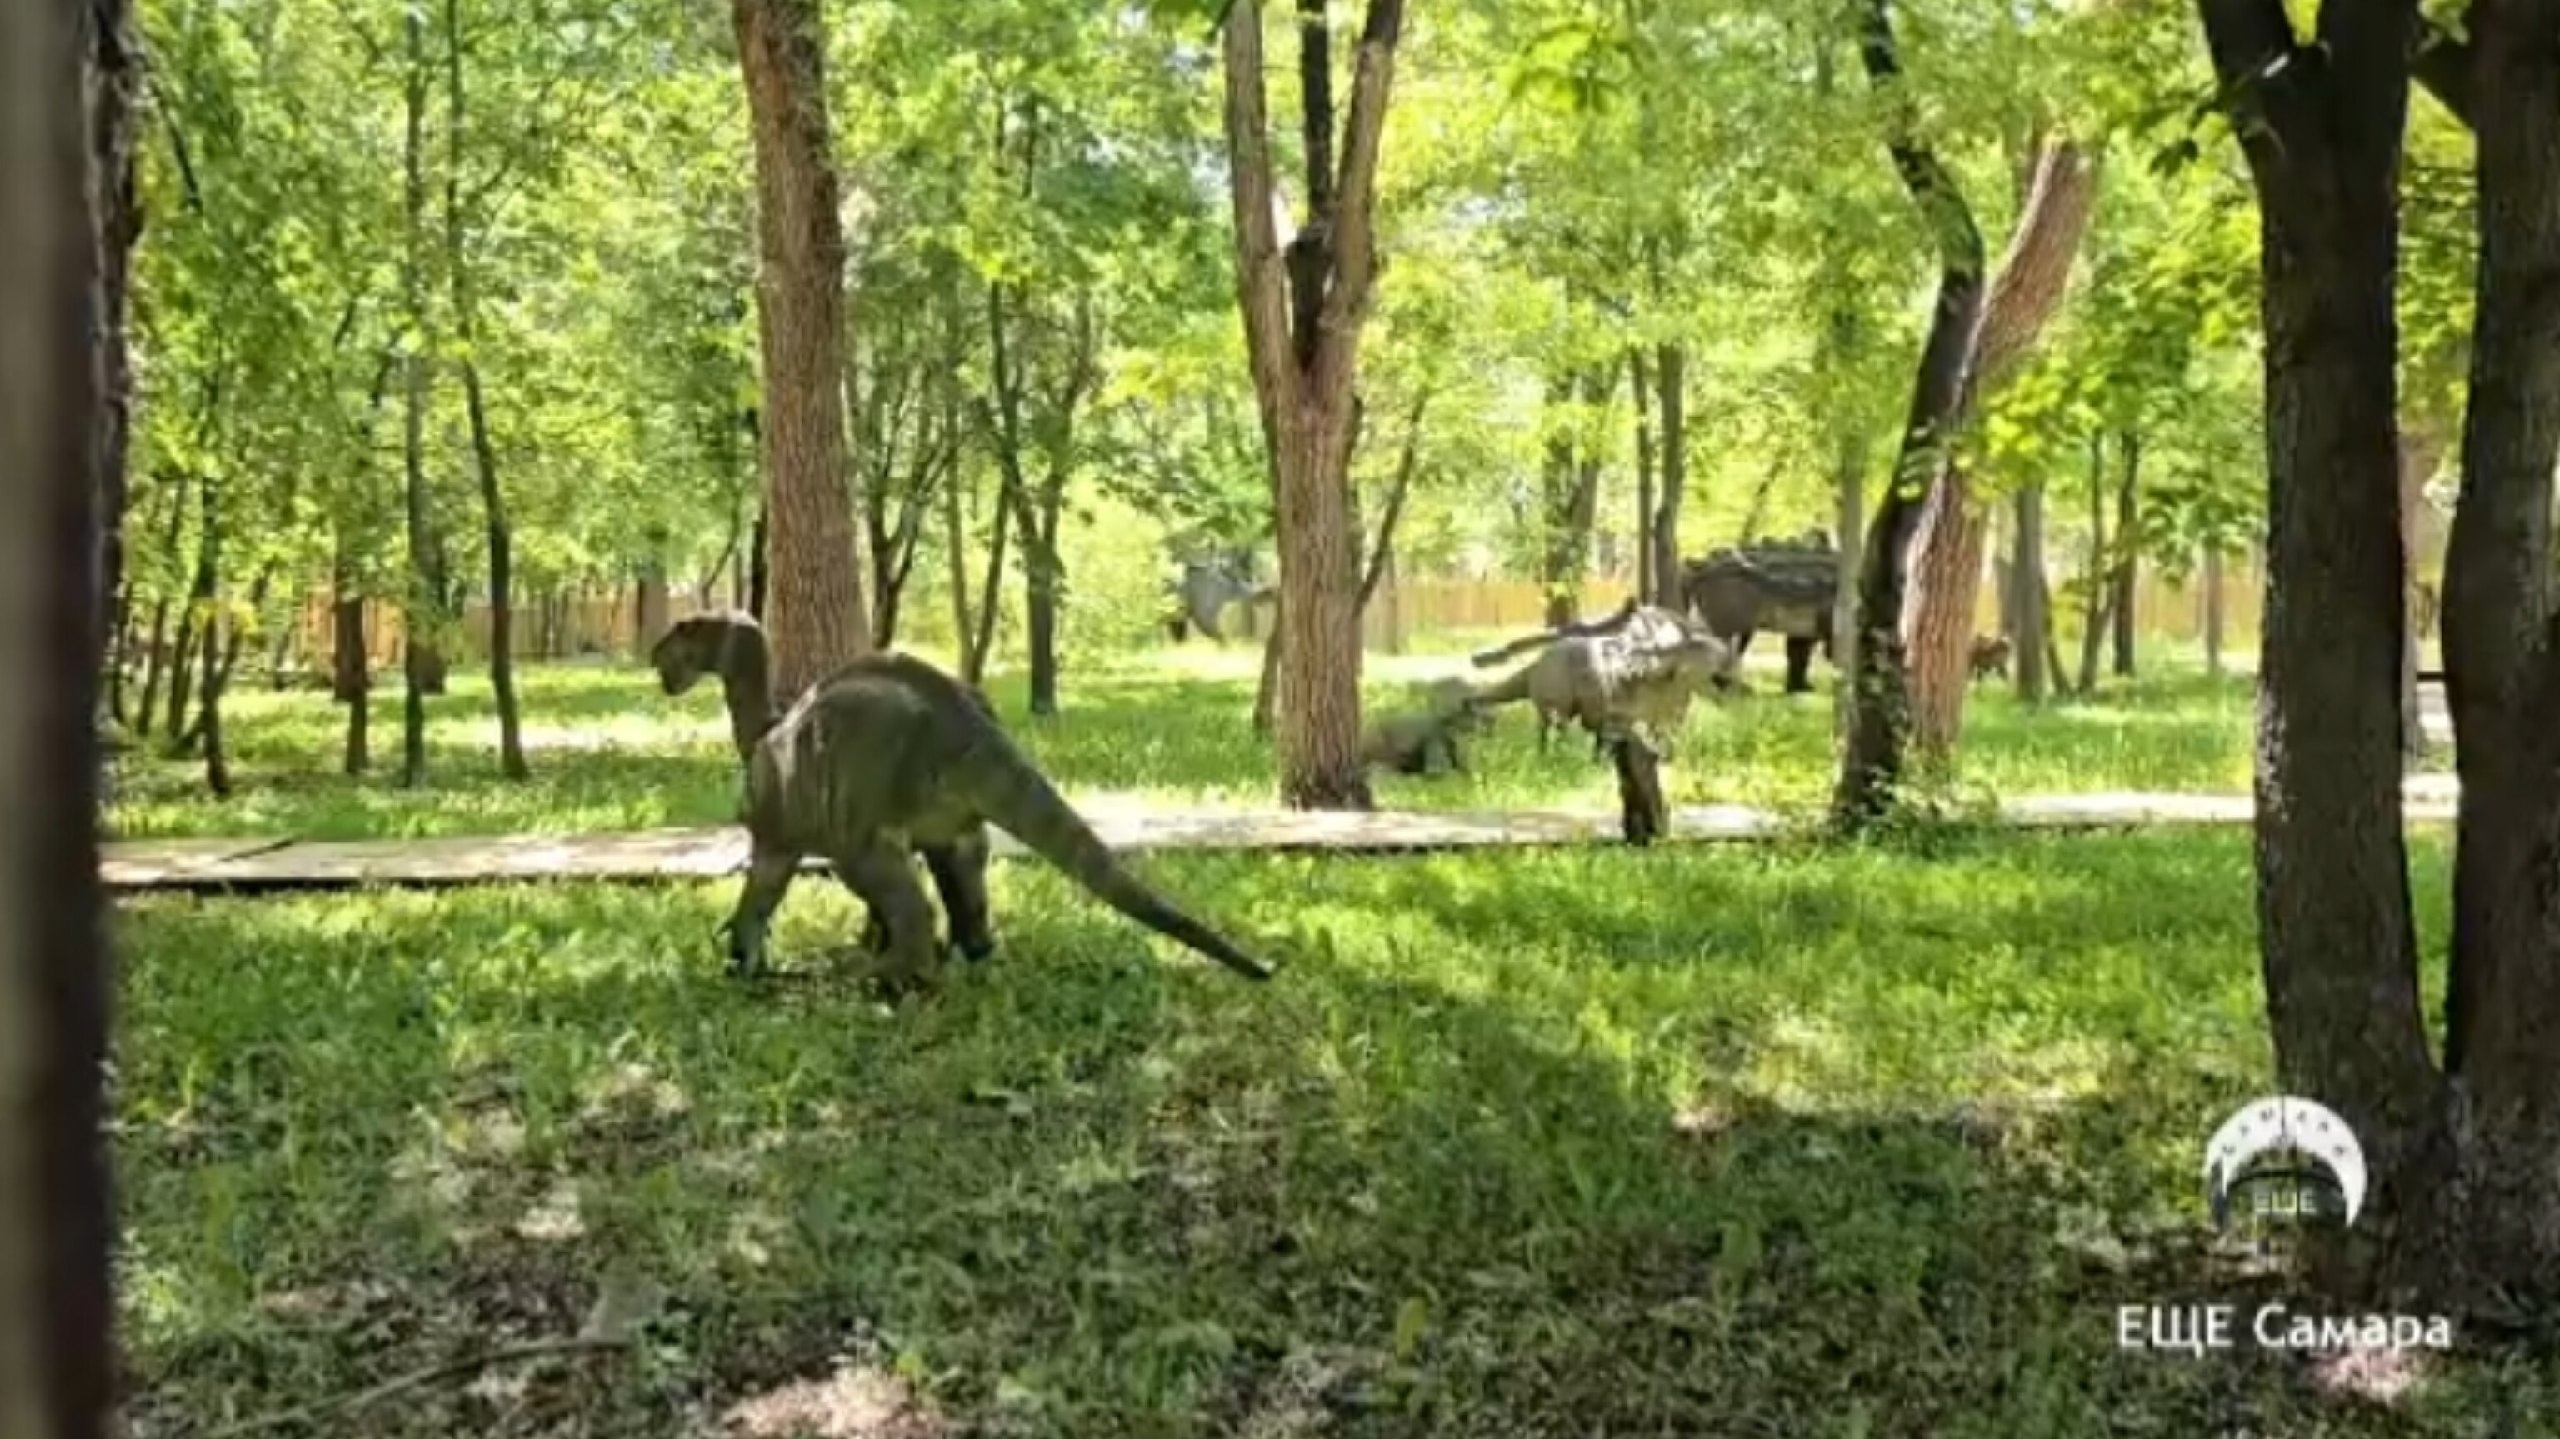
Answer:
(1782, 585)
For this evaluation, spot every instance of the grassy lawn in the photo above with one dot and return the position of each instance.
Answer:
(610, 752)
(1706, 1141)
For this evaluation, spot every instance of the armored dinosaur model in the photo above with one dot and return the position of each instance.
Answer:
(1634, 672)
(1411, 742)
(1202, 596)
(886, 756)
(1787, 586)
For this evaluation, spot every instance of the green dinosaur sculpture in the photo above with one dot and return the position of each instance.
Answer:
(885, 757)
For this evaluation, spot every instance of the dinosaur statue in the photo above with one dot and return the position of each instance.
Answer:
(1787, 586)
(1409, 743)
(1990, 656)
(1636, 671)
(884, 756)
(1201, 596)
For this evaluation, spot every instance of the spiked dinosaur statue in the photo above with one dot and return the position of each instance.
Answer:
(1637, 669)
(1782, 585)
(886, 758)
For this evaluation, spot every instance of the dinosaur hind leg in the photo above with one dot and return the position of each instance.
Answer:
(960, 876)
(885, 876)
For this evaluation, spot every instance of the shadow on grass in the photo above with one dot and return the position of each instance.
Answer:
(1747, 1143)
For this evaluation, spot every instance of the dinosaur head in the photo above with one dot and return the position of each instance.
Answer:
(698, 645)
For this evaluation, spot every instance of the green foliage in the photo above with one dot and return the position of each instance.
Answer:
(1806, 1135)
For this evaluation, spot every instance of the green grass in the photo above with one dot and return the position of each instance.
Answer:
(612, 753)
(1726, 1140)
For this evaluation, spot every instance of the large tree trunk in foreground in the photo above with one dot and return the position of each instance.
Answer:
(56, 428)
(815, 609)
(1947, 571)
(2502, 662)
(2322, 133)
(1303, 313)
(1880, 718)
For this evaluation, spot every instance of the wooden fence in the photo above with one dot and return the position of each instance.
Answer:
(568, 626)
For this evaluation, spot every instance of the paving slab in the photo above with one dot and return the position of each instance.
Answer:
(1123, 823)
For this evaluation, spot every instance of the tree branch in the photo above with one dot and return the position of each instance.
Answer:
(1354, 237)
(1405, 464)
(1261, 281)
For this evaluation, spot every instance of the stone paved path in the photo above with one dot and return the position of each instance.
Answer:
(259, 864)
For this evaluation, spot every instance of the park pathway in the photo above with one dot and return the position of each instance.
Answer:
(1125, 823)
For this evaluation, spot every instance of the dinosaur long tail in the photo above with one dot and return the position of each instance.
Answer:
(1008, 791)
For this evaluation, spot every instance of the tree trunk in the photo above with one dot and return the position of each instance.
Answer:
(1382, 544)
(208, 728)
(2337, 945)
(484, 451)
(817, 618)
(957, 549)
(1573, 493)
(1042, 571)
(418, 619)
(1946, 585)
(1871, 760)
(2213, 617)
(59, 432)
(195, 629)
(1947, 573)
(759, 562)
(1849, 502)
(2502, 667)
(2093, 575)
(2033, 630)
(649, 603)
(115, 75)
(1303, 313)
(1636, 385)
(2417, 466)
(2126, 569)
(981, 648)
(1671, 385)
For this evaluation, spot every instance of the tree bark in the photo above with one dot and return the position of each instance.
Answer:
(2034, 276)
(2095, 591)
(1671, 384)
(2502, 660)
(2417, 465)
(2322, 135)
(2123, 575)
(2213, 615)
(817, 616)
(1636, 386)
(957, 562)
(1382, 543)
(1303, 313)
(60, 430)
(1871, 761)
(419, 619)
(484, 451)
(2034, 628)
(114, 74)
(208, 726)
(1573, 493)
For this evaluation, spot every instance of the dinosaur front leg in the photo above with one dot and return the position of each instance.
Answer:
(769, 874)
(960, 876)
(885, 876)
